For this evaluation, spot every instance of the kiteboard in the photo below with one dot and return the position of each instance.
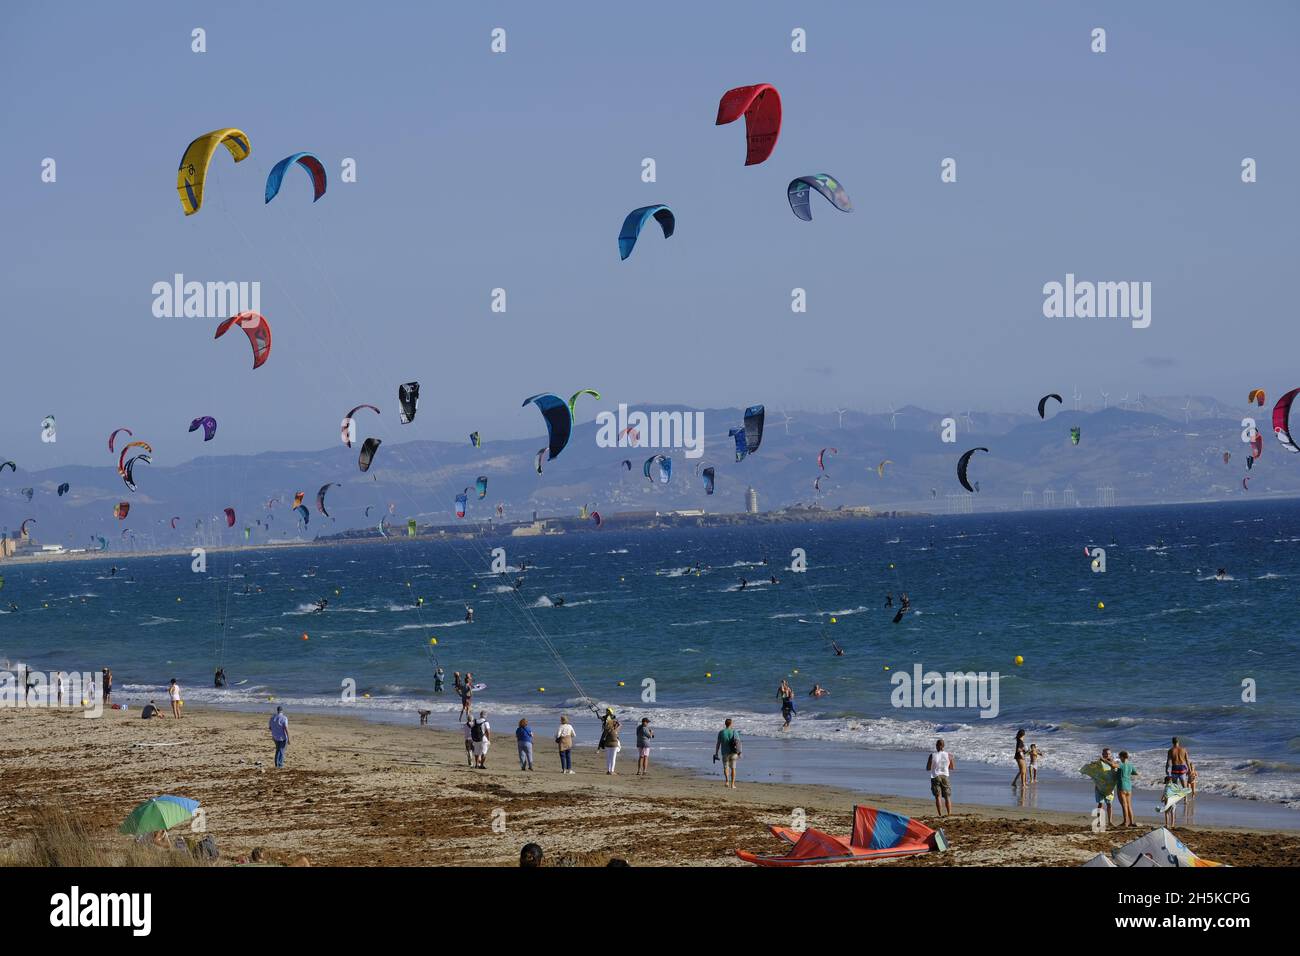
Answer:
(899, 616)
(1174, 793)
(1103, 777)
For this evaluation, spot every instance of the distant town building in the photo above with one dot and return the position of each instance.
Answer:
(1105, 496)
(1070, 499)
(751, 501)
(1027, 499)
(1049, 498)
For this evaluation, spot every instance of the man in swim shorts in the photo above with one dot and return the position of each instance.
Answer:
(1178, 764)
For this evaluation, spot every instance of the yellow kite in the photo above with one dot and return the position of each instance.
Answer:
(194, 164)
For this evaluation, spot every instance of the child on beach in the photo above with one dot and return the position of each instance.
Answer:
(1034, 754)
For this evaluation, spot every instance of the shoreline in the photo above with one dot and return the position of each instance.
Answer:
(365, 792)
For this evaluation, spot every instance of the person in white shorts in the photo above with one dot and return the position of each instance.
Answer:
(481, 734)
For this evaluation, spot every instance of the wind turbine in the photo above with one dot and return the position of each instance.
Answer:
(1187, 413)
(840, 412)
(1105, 396)
(1137, 402)
(787, 422)
(893, 417)
(1123, 402)
(967, 420)
(1077, 395)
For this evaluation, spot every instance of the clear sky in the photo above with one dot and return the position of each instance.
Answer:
(479, 170)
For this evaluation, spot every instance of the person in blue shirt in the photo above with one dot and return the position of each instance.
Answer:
(524, 738)
(279, 734)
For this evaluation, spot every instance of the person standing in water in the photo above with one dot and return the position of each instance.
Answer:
(1178, 764)
(1022, 775)
(439, 680)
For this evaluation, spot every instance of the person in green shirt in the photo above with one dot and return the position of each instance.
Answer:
(1124, 775)
(728, 746)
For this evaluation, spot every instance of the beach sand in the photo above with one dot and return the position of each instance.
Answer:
(360, 793)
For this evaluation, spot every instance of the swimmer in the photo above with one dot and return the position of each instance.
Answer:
(219, 678)
(818, 691)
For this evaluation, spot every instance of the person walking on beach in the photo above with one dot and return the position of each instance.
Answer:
(1021, 776)
(469, 743)
(643, 737)
(481, 734)
(1124, 774)
(941, 765)
(174, 691)
(279, 734)
(107, 674)
(564, 739)
(1178, 764)
(524, 739)
(58, 683)
(728, 748)
(609, 740)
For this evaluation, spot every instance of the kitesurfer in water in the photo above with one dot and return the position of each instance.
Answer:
(12, 607)
(558, 602)
(469, 614)
(774, 580)
(743, 584)
(1222, 575)
(321, 605)
(112, 571)
(219, 678)
(519, 582)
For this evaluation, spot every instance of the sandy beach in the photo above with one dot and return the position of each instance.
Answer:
(360, 793)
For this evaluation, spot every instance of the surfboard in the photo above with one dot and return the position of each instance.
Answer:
(1173, 794)
(478, 687)
(1102, 776)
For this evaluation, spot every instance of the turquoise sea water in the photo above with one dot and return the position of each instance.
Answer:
(1167, 655)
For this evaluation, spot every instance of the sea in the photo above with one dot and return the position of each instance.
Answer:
(1186, 632)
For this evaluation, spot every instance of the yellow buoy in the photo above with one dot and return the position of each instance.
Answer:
(833, 621)
(620, 683)
(365, 695)
(708, 675)
(1101, 605)
(1019, 660)
(433, 640)
(886, 667)
(541, 690)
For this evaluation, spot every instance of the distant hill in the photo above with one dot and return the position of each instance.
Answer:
(1168, 451)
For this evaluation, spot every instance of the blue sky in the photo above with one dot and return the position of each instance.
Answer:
(478, 171)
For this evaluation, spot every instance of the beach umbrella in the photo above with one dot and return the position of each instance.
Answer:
(155, 814)
(188, 803)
